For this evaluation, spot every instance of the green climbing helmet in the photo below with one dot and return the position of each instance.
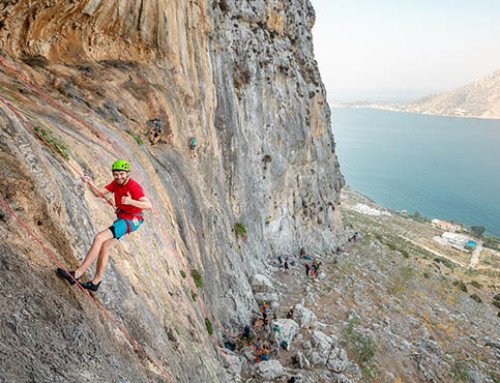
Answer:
(121, 165)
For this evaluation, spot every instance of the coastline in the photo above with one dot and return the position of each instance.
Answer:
(399, 109)
(364, 215)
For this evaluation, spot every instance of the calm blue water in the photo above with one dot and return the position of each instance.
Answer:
(444, 167)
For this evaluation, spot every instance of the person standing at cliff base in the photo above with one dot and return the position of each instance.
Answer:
(129, 201)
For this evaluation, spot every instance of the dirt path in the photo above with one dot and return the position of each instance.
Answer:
(475, 255)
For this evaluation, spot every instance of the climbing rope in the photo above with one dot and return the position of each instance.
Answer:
(130, 339)
(69, 164)
(170, 316)
(26, 123)
(124, 153)
(102, 195)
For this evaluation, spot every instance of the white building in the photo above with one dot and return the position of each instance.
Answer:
(454, 239)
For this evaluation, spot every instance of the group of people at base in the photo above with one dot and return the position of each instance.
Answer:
(313, 269)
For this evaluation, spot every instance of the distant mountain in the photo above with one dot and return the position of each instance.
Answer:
(478, 99)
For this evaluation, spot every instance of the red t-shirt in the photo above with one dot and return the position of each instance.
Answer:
(135, 192)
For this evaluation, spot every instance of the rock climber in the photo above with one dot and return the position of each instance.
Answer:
(129, 201)
(155, 128)
(192, 147)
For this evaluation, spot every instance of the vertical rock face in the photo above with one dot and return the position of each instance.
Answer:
(240, 76)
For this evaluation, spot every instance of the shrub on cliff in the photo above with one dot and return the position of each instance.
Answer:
(55, 142)
(210, 328)
(240, 230)
(477, 298)
(198, 280)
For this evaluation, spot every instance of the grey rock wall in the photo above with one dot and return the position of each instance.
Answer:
(239, 76)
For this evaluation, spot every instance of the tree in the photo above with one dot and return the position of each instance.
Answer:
(478, 230)
(416, 214)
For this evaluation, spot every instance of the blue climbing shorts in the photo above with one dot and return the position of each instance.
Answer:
(124, 226)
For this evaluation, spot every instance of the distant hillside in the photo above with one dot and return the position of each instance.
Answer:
(478, 99)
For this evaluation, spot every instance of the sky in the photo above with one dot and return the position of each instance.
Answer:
(399, 50)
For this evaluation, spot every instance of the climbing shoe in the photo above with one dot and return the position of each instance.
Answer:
(67, 275)
(90, 286)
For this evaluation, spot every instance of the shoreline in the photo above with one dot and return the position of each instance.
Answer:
(388, 108)
(359, 195)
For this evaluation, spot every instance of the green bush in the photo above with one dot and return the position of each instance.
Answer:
(492, 243)
(496, 304)
(240, 230)
(210, 328)
(449, 264)
(198, 280)
(476, 284)
(496, 297)
(362, 348)
(478, 230)
(134, 136)
(183, 274)
(477, 298)
(57, 143)
(194, 295)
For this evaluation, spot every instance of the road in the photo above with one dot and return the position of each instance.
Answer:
(475, 254)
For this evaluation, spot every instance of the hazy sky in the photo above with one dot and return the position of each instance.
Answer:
(389, 49)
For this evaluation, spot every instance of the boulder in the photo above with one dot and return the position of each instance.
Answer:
(288, 329)
(304, 316)
(260, 283)
(322, 345)
(303, 361)
(337, 360)
(321, 341)
(269, 370)
(342, 379)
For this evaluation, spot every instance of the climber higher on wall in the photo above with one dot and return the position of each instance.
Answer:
(155, 128)
(130, 201)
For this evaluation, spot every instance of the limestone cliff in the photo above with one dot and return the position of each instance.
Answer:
(241, 77)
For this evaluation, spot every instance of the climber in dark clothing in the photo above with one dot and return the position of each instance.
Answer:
(308, 267)
(155, 128)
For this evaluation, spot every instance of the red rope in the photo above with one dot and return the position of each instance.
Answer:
(52, 147)
(125, 154)
(135, 344)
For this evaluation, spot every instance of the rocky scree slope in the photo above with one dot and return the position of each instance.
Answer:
(239, 76)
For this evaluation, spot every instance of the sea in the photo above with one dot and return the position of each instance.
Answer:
(443, 167)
